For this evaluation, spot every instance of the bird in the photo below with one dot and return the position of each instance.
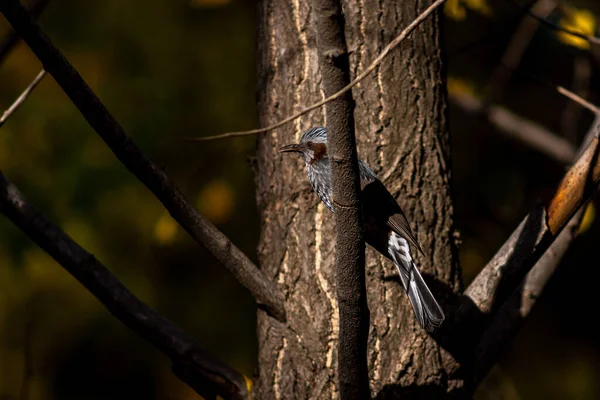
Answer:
(386, 227)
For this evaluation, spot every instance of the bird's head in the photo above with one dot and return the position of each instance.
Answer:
(312, 146)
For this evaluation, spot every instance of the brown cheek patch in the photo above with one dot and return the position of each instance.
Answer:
(319, 151)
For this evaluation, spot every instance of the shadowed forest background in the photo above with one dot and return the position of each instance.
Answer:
(170, 69)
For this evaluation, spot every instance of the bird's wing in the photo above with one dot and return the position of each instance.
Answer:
(399, 224)
(378, 200)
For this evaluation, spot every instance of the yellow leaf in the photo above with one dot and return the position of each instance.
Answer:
(580, 21)
(216, 201)
(248, 384)
(165, 229)
(588, 218)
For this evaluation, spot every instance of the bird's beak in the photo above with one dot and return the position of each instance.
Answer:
(291, 148)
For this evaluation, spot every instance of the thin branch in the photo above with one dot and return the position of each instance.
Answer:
(264, 291)
(578, 99)
(192, 364)
(10, 40)
(21, 99)
(589, 38)
(515, 126)
(353, 373)
(386, 51)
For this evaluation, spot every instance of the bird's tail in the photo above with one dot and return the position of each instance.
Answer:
(426, 308)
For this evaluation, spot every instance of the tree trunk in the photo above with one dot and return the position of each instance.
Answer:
(403, 135)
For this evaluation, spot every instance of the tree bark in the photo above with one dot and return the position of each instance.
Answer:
(402, 133)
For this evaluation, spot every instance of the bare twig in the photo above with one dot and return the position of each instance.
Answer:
(578, 99)
(391, 46)
(264, 291)
(203, 373)
(10, 40)
(22, 98)
(353, 373)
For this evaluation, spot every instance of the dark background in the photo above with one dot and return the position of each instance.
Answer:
(173, 68)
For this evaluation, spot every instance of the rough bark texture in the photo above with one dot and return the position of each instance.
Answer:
(402, 134)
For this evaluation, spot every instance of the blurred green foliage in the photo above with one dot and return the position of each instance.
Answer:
(168, 69)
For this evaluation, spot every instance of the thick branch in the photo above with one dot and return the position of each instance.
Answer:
(265, 292)
(191, 363)
(513, 313)
(350, 248)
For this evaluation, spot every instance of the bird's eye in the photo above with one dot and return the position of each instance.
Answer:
(309, 144)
